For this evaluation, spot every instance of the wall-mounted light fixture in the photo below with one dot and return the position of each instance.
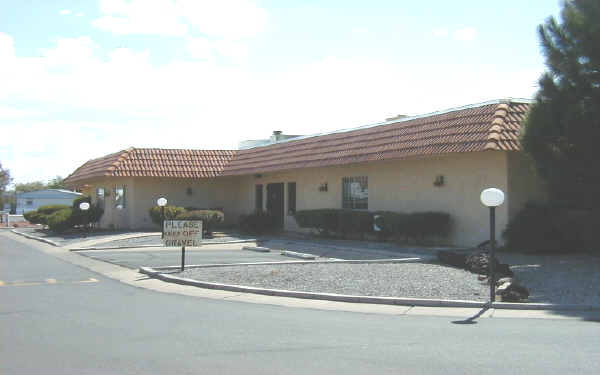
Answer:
(439, 181)
(323, 187)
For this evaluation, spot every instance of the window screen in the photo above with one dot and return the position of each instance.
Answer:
(355, 192)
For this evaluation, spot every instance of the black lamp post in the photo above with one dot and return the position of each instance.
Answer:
(162, 202)
(492, 198)
(85, 206)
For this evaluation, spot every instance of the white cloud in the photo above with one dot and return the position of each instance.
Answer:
(465, 34)
(199, 48)
(79, 14)
(65, 12)
(440, 33)
(232, 19)
(198, 104)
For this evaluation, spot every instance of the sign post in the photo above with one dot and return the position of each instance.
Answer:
(182, 233)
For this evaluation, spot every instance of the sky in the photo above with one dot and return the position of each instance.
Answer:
(80, 79)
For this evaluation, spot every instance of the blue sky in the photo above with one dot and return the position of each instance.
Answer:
(80, 79)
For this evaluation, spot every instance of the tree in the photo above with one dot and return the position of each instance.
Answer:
(4, 181)
(562, 130)
(30, 186)
(56, 183)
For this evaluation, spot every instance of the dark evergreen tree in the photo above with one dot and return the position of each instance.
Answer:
(562, 131)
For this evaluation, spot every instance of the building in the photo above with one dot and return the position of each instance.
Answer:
(435, 162)
(33, 200)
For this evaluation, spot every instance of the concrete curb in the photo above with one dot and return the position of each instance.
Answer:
(257, 249)
(293, 254)
(50, 242)
(330, 261)
(152, 272)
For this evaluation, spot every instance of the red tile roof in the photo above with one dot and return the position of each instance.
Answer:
(492, 126)
(154, 162)
(488, 126)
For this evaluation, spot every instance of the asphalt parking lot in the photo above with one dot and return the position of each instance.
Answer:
(135, 258)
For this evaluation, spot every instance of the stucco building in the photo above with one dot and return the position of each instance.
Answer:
(434, 162)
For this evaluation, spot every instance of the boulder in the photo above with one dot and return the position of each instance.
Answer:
(512, 292)
(479, 263)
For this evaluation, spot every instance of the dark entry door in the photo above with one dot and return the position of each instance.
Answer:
(275, 202)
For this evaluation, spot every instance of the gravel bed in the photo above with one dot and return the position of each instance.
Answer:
(562, 279)
(416, 280)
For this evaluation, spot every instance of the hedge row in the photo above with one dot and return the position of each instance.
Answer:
(60, 217)
(418, 226)
(209, 218)
(258, 223)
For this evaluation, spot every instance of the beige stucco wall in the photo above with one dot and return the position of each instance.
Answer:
(404, 186)
(141, 194)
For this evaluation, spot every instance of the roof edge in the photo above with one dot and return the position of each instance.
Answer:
(409, 118)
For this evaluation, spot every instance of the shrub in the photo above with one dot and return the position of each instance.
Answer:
(418, 226)
(258, 223)
(35, 217)
(171, 212)
(421, 225)
(93, 214)
(60, 220)
(209, 218)
(51, 208)
(541, 227)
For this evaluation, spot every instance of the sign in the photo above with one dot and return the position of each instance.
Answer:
(181, 233)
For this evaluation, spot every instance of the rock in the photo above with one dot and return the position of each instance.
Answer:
(452, 259)
(479, 263)
(504, 280)
(513, 292)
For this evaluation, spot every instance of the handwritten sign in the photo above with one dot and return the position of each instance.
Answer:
(180, 233)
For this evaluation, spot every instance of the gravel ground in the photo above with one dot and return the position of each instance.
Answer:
(563, 279)
(418, 280)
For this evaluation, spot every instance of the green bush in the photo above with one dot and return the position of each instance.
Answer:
(60, 220)
(171, 212)
(541, 227)
(40, 216)
(258, 223)
(35, 217)
(419, 225)
(93, 214)
(209, 218)
(422, 225)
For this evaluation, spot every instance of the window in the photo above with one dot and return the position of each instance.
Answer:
(291, 198)
(120, 196)
(355, 192)
(100, 196)
(258, 198)
(29, 202)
